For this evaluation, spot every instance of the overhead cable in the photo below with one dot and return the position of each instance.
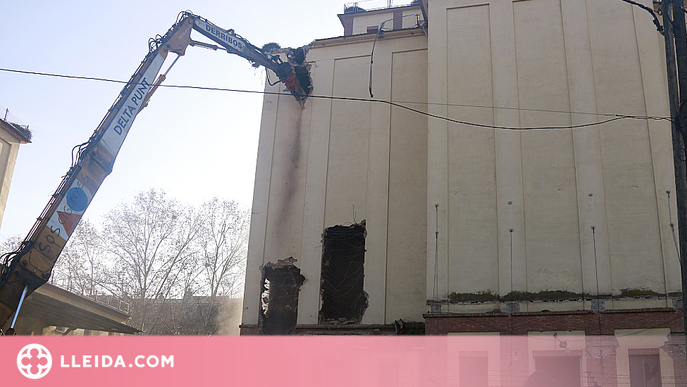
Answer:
(613, 117)
(657, 23)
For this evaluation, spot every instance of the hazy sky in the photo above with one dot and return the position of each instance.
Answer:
(193, 144)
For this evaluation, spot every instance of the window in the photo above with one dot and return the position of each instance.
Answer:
(645, 370)
(473, 369)
(564, 370)
(343, 255)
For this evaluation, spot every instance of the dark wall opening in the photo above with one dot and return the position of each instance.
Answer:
(343, 256)
(280, 285)
(563, 370)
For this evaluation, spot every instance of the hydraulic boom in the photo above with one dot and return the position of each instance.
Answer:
(24, 270)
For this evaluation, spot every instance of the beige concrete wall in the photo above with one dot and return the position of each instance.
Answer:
(651, 339)
(412, 18)
(277, 212)
(407, 190)
(9, 149)
(409, 19)
(574, 206)
(548, 63)
(363, 22)
(341, 161)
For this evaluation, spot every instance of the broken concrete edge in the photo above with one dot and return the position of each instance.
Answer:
(279, 287)
(344, 300)
(296, 57)
(362, 225)
(281, 263)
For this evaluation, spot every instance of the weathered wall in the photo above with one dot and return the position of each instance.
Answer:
(9, 148)
(341, 161)
(582, 209)
(393, 18)
(535, 63)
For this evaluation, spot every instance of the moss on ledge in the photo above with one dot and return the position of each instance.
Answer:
(546, 295)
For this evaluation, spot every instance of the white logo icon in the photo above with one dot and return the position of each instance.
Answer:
(34, 361)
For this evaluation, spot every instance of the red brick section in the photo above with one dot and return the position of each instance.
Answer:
(347, 23)
(249, 330)
(601, 370)
(398, 19)
(592, 323)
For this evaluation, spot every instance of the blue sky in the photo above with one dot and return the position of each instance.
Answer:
(193, 144)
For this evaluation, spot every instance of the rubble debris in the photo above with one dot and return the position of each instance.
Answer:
(341, 286)
(270, 48)
(280, 285)
(296, 76)
(296, 58)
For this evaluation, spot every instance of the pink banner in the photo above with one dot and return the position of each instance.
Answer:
(304, 361)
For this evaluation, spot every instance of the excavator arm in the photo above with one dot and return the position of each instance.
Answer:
(30, 266)
(293, 73)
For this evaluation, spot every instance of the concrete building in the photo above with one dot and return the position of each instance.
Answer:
(52, 311)
(500, 167)
(12, 135)
(496, 168)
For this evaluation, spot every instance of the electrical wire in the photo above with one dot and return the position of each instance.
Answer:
(613, 117)
(672, 226)
(380, 30)
(657, 23)
(423, 103)
(655, 118)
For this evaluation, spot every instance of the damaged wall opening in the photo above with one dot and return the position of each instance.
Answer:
(343, 255)
(279, 289)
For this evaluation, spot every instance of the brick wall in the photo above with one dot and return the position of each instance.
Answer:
(592, 323)
(347, 22)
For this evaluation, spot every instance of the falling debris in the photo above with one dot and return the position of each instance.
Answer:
(270, 48)
(295, 72)
(296, 57)
(280, 285)
(343, 254)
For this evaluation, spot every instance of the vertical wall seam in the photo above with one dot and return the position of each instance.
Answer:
(522, 161)
(496, 156)
(580, 227)
(651, 153)
(601, 159)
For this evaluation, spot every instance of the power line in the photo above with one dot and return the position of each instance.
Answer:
(656, 118)
(613, 117)
(657, 23)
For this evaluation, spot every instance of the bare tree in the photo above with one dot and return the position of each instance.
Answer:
(151, 241)
(10, 244)
(80, 268)
(174, 264)
(224, 243)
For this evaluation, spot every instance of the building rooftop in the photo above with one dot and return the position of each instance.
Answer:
(22, 132)
(387, 18)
